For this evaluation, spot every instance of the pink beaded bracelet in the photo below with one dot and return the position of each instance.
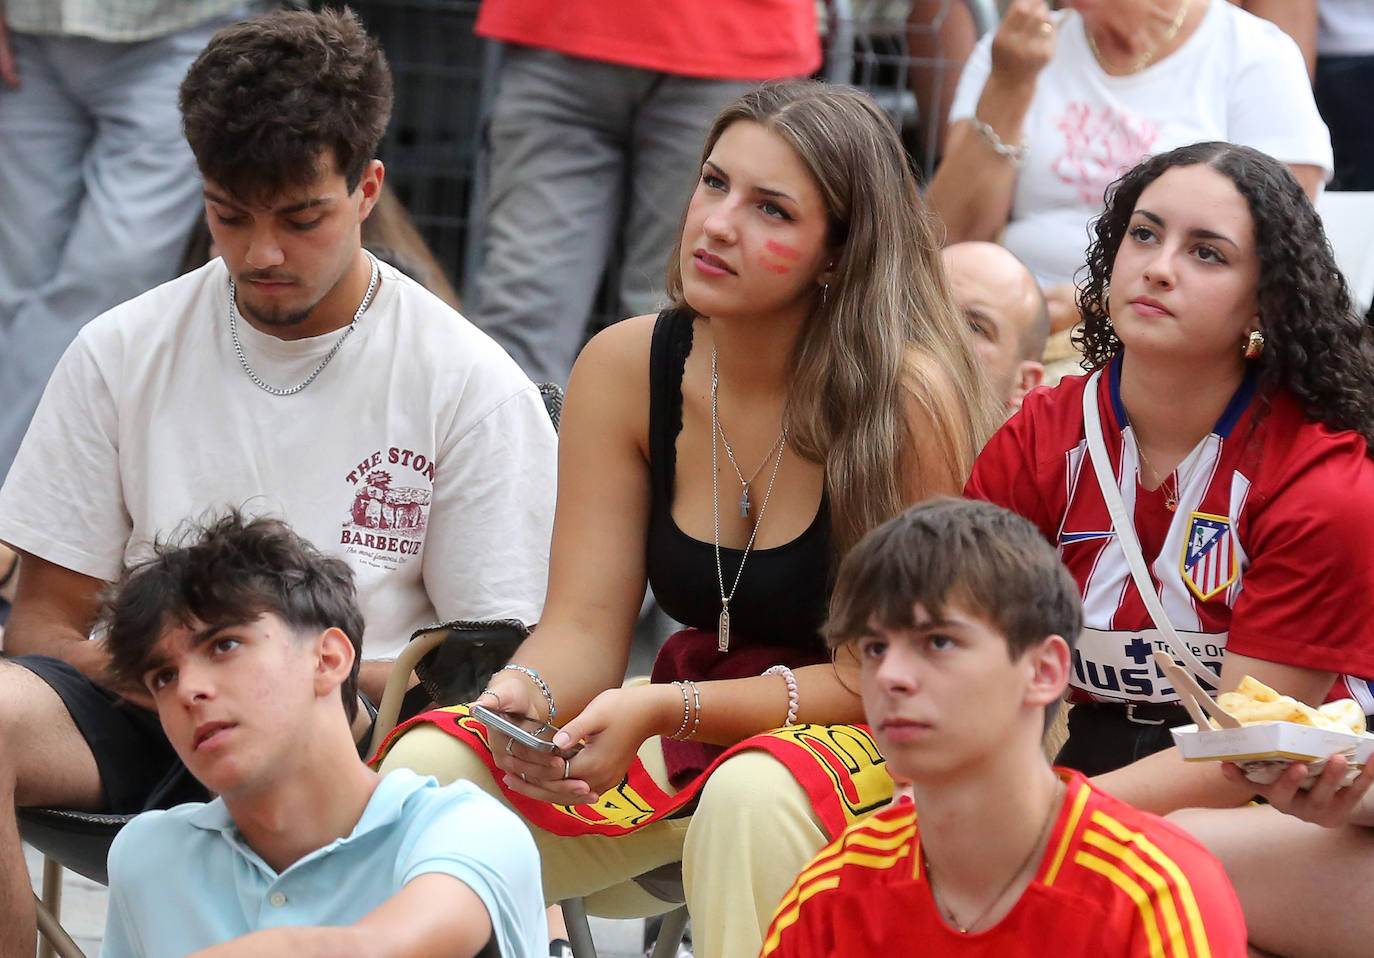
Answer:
(792, 697)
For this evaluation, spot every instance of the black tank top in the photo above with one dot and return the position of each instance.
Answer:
(784, 591)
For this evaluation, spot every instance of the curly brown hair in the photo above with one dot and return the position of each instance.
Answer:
(1316, 346)
(269, 95)
(226, 571)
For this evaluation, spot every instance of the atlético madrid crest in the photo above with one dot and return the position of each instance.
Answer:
(1209, 558)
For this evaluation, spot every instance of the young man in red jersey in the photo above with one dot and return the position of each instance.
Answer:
(963, 618)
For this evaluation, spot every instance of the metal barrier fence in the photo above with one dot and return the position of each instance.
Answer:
(446, 77)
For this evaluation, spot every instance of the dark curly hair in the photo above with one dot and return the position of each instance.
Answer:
(1316, 346)
(267, 96)
(226, 572)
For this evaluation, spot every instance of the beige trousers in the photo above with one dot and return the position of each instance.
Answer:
(753, 830)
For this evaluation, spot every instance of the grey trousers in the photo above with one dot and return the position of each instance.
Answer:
(583, 155)
(98, 191)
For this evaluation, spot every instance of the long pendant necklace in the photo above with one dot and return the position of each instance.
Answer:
(964, 929)
(1146, 58)
(744, 502)
(723, 623)
(292, 390)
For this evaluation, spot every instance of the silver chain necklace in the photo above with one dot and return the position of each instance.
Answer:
(744, 502)
(723, 624)
(292, 390)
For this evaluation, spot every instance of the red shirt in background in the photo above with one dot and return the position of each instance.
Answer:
(725, 40)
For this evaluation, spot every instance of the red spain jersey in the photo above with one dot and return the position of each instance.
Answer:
(1269, 551)
(1113, 881)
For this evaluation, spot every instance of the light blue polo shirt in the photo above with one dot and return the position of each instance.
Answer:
(184, 879)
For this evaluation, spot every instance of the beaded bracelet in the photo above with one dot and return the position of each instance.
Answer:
(696, 712)
(1017, 154)
(686, 710)
(792, 697)
(543, 687)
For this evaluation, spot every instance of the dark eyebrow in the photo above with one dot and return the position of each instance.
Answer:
(937, 624)
(758, 189)
(157, 659)
(306, 205)
(1200, 234)
(279, 211)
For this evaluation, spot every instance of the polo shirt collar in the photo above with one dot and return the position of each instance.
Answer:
(382, 809)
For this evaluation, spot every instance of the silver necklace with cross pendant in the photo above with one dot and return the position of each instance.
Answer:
(744, 503)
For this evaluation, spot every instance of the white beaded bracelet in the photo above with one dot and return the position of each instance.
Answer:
(1017, 154)
(792, 697)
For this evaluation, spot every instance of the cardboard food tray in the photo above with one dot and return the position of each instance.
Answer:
(1265, 749)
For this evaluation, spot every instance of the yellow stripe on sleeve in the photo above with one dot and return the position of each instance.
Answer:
(1070, 827)
(1163, 894)
(1137, 894)
(789, 910)
(1183, 889)
(840, 854)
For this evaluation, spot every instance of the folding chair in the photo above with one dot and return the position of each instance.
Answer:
(76, 840)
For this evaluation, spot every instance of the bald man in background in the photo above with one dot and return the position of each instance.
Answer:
(1007, 313)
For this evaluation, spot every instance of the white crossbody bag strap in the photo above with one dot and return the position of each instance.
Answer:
(1125, 535)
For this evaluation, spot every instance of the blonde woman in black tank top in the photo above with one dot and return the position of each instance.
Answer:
(810, 329)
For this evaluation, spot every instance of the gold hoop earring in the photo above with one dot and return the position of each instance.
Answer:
(1254, 345)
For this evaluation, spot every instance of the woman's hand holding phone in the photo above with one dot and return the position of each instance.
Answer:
(536, 769)
(613, 726)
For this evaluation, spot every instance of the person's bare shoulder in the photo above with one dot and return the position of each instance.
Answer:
(611, 375)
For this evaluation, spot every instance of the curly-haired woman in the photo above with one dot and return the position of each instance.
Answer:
(1233, 392)
(809, 380)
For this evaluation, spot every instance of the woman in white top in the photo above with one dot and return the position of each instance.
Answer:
(1055, 106)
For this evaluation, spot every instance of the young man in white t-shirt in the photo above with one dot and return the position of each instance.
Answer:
(247, 639)
(293, 376)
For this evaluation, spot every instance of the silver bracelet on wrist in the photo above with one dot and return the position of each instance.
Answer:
(1017, 154)
(686, 711)
(696, 711)
(543, 687)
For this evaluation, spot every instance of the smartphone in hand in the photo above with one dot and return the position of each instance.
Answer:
(526, 731)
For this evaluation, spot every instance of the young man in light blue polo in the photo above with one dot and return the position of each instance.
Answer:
(247, 640)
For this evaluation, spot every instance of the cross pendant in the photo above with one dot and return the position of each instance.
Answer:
(744, 503)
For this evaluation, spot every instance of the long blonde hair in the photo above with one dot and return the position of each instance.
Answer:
(885, 333)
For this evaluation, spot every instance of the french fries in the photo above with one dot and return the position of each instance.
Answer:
(1253, 702)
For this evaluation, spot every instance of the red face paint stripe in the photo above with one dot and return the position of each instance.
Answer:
(786, 252)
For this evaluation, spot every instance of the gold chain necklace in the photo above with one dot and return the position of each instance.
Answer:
(1170, 497)
(1055, 801)
(1146, 58)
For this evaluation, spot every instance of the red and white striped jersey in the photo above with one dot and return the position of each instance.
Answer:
(1269, 550)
